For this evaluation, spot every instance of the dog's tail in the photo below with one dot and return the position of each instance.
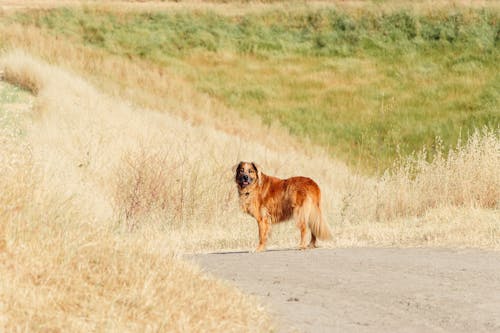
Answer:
(315, 221)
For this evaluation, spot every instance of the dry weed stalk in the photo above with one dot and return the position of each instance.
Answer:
(143, 184)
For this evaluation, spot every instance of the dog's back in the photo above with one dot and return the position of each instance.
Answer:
(295, 197)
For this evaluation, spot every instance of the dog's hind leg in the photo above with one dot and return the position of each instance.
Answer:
(301, 216)
(312, 243)
(303, 232)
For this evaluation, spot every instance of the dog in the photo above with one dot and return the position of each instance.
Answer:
(272, 200)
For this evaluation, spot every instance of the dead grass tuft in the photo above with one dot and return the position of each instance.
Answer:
(464, 177)
(143, 185)
(22, 77)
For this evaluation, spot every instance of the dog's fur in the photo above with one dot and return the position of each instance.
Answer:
(272, 200)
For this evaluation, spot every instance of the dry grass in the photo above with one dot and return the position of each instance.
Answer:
(16, 182)
(66, 264)
(466, 177)
(62, 274)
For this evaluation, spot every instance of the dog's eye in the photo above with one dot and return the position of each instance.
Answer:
(251, 171)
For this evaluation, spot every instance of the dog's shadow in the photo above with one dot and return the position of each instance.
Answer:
(253, 252)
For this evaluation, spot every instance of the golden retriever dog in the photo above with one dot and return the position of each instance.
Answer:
(272, 200)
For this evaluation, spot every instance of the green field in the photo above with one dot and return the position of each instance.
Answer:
(367, 85)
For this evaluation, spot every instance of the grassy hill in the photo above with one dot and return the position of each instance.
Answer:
(368, 84)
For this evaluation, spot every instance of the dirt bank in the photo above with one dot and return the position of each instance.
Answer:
(370, 290)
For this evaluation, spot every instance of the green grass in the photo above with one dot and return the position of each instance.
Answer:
(14, 101)
(10, 94)
(367, 85)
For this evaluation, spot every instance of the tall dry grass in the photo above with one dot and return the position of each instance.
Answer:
(451, 200)
(16, 181)
(466, 176)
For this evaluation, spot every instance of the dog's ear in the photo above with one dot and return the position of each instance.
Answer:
(259, 172)
(235, 167)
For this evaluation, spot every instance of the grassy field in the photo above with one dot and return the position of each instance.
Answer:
(115, 161)
(367, 84)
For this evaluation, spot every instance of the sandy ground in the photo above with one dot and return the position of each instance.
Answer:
(369, 290)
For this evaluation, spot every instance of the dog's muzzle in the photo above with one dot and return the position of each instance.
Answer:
(244, 180)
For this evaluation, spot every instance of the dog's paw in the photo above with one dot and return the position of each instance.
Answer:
(259, 249)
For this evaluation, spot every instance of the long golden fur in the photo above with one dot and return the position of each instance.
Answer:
(272, 200)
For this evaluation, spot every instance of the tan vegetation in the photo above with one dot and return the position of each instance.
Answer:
(66, 264)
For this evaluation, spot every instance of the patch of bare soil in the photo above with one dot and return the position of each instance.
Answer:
(369, 289)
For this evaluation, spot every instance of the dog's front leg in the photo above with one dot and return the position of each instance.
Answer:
(263, 232)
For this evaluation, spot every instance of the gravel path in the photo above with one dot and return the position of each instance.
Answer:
(369, 290)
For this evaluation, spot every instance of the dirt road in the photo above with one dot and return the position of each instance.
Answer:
(369, 290)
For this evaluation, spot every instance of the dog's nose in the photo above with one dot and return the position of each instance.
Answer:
(245, 178)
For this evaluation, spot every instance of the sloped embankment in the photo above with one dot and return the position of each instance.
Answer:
(66, 261)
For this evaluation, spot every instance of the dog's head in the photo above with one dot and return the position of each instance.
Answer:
(247, 174)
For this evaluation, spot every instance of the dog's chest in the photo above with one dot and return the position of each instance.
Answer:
(248, 202)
